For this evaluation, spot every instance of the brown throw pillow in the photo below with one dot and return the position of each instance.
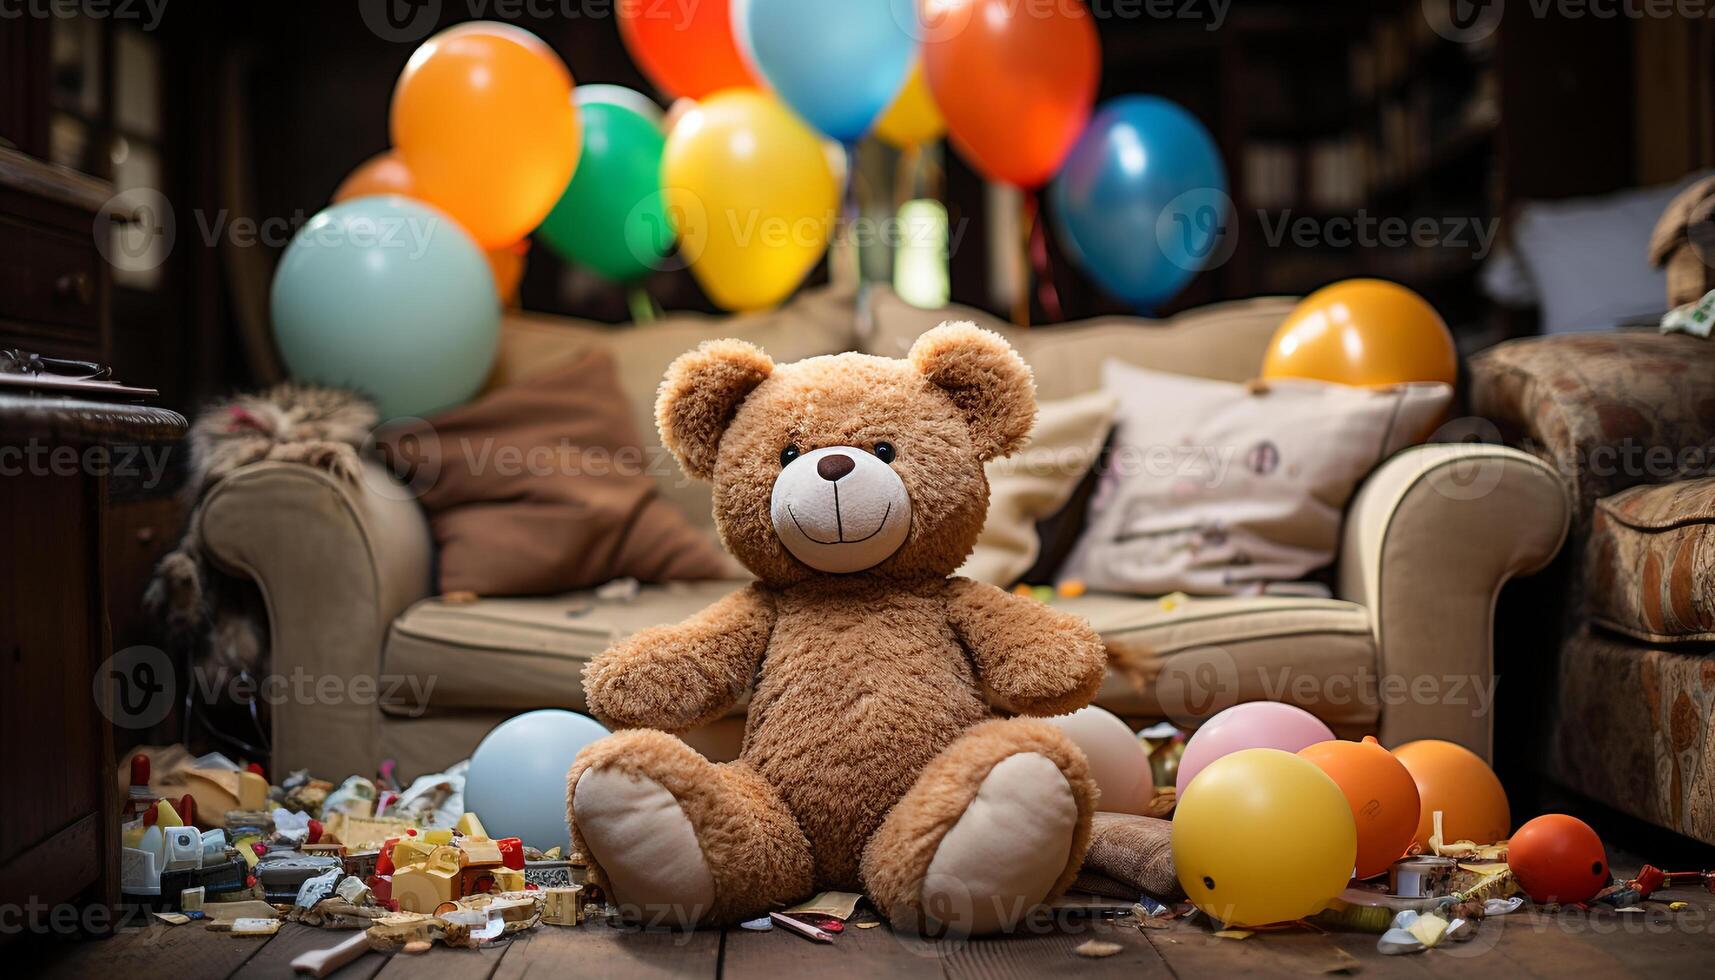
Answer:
(543, 487)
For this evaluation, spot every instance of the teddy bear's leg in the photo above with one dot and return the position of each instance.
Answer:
(995, 825)
(678, 840)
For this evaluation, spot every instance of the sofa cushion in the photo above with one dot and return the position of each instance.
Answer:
(1219, 488)
(1650, 563)
(1224, 341)
(818, 321)
(535, 489)
(1033, 485)
(1201, 655)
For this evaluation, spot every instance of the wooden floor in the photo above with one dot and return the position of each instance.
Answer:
(1569, 944)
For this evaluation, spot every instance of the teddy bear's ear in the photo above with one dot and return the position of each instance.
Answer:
(986, 379)
(701, 394)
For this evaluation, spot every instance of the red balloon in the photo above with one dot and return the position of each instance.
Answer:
(1014, 80)
(1557, 858)
(685, 48)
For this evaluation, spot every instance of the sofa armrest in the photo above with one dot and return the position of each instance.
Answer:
(335, 564)
(1431, 538)
(1609, 411)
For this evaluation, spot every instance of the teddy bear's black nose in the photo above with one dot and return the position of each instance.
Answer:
(834, 466)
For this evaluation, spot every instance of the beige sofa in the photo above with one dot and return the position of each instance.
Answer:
(377, 667)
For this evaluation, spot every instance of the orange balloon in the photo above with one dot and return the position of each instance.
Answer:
(1363, 332)
(1557, 858)
(507, 264)
(483, 117)
(686, 49)
(383, 173)
(1014, 81)
(1452, 779)
(1381, 793)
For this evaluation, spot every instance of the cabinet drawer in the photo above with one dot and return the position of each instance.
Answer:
(50, 278)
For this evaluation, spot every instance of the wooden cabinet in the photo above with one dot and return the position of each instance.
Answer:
(59, 834)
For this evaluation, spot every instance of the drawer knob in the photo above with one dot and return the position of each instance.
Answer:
(76, 286)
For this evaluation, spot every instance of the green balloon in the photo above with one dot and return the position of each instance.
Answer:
(611, 216)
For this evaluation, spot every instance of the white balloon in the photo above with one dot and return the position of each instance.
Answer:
(1118, 761)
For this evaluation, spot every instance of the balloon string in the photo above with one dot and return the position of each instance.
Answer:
(905, 175)
(849, 211)
(643, 308)
(1026, 223)
(1046, 294)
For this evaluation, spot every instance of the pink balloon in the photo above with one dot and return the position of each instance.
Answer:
(1252, 725)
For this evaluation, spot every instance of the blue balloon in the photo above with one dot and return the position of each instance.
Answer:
(391, 297)
(516, 784)
(1141, 201)
(837, 63)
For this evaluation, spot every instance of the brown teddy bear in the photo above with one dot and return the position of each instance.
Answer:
(851, 486)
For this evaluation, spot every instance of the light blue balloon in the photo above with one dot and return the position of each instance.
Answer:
(390, 297)
(1141, 201)
(516, 784)
(837, 63)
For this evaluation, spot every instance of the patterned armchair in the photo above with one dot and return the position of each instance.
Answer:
(1627, 420)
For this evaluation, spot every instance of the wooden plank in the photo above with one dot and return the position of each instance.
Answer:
(596, 949)
(1191, 949)
(274, 961)
(1051, 952)
(154, 953)
(855, 953)
(441, 963)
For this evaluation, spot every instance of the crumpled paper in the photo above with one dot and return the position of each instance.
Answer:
(435, 800)
(1414, 932)
(1695, 319)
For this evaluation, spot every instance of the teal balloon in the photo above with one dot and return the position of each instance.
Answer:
(516, 783)
(837, 63)
(390, 297)
(612, 217)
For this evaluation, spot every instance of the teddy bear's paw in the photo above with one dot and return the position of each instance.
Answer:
(646, 845)
(1006, 852)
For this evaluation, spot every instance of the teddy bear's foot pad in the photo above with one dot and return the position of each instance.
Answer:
(1006, 851)
(647, 846)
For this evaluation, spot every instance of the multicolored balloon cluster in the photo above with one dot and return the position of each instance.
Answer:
(492, 137)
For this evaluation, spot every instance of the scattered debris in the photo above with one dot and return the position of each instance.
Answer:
(1097, 948)
(839, 905)
(801, 927)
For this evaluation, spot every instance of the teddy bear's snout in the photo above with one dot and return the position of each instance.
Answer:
(840, 509)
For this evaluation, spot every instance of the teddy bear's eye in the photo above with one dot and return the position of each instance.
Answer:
(884, 452)
(790, 453)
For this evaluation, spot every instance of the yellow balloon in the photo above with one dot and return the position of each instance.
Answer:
(1263, 836)
(750, 194)
(913, 119)
(1363, 332)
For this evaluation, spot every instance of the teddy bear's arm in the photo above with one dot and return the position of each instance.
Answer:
(1035, 659)
(678, 677)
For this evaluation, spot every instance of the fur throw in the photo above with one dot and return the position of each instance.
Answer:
(218, 617)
